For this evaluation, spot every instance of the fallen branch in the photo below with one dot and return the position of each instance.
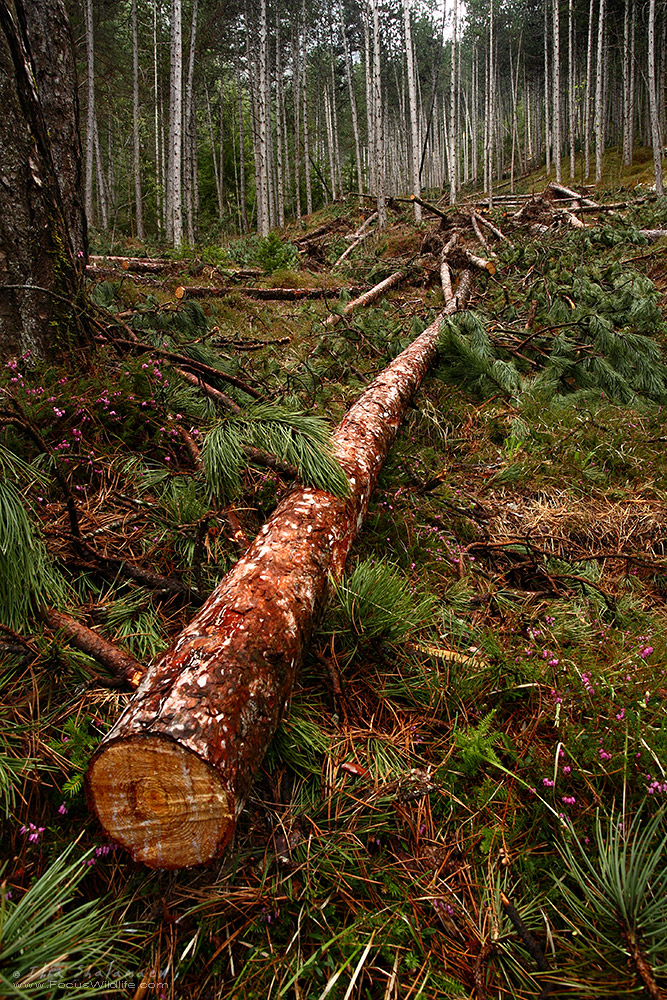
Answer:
(480, 235)
(429, 207)
(279, 294)
(574, 195)
(364, 300)
(571, 219)
(120, 663)
(138, 265)
(654, 234)
(479, 262)
(494, 229)
(169, 780)
(357, 238)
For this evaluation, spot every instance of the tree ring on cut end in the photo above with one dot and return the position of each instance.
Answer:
(161, 801)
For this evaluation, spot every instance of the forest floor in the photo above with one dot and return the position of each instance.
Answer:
(466, 798)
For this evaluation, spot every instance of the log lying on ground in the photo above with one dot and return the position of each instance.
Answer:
(494, 229)
(169, 780)
(358, 237)
(654, 234)
(574, 195)
(140, 265)
(280, 294)
(371, 295)
(479, 262)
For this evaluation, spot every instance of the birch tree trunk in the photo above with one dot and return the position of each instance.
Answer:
(547, 91)
(415, 187)
(296, 95)
(589, 80)
(353, 107)
(599, 99)
(452, 112)
(190, 144)
(654, 111)
(138, 202)
(306, 133)
(370, 111)
(174, 166)
(239, 95)
(262, 179)
(379, 121)
(556, 92)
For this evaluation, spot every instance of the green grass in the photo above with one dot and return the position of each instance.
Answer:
(484, 698)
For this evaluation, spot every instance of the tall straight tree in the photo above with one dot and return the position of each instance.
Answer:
(589, 81)
(452, 112)
(599, 101)
(90, 96)
(654, 111)
(380, 193)
(556, 92)
(138, 202)
(414, 113)
(174, 215)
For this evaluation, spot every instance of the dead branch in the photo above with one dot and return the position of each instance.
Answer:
(429, 207)
(119, 662)
(569, 193)
(494, 229)
(265, 294)
(364, 300)
(480, 235)
(479, 262)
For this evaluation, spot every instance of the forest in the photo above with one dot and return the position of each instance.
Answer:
(333, 579)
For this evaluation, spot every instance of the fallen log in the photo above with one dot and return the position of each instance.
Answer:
(371, 295)
(170, 779)
(574, 195)
(280, 294)
(358, 237)
(494, 229)
(571, 219)
(429, 207)
(480, 235)
(654, 234)
(479, 262)
(140, 265)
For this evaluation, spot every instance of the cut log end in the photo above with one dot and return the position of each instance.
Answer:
(162, 802)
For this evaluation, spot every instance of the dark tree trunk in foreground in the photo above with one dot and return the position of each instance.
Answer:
(43, 241)
(171, 777)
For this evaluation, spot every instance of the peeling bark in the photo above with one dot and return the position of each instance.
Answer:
(171, 777)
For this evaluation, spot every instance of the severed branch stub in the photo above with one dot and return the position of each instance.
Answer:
(169, 780)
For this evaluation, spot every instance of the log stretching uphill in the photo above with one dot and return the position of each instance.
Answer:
(171, 777)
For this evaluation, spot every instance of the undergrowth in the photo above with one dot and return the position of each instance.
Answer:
(466, 797)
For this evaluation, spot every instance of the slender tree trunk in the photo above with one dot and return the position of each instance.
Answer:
(138, 202)
(306, 132)
(353, 107)
(452, 112)
(570, 83)
(190, 145)
(379, 120)
(296, 95)
(159, 190)
(370, 110)
(653, 103)
(280, 183)
(599, 98)
(102, 186)
(262, 180)
(174, 166)
(90, 123)
(239, 95)
(589, 85)
(556, 92)
(547, 91)
(415, 187)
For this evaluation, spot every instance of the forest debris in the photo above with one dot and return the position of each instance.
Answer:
(571, 219)
(569, 193)
(479, 262)
(429, 207)
(480, 235)
(372, 295)
(654, 234)
(279, 294)
(121, 664)
(170, 779)
(494, 229)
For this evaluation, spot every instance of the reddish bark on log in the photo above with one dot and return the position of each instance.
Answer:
(170, 779)
(123, 665)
